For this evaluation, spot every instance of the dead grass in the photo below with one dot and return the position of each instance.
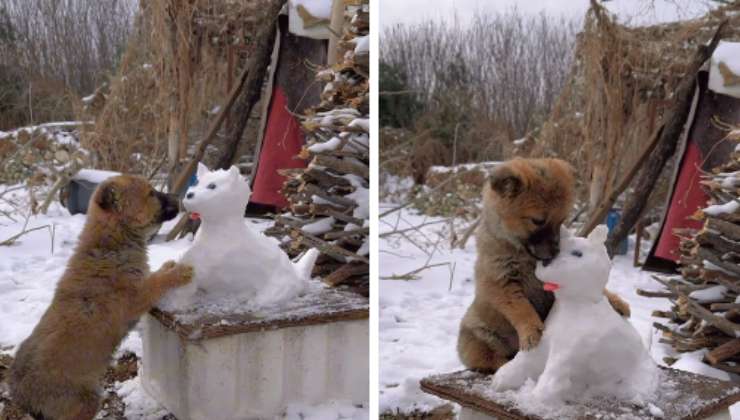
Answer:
(173, 75)
(619, 90)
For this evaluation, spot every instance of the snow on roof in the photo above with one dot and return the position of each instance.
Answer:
(724, 70)
(317, 8)
(314, 26)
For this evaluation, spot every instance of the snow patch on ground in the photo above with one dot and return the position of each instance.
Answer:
(332, 410)
(139, 405)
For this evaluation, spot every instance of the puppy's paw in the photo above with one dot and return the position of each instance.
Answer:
(167, 266)
(176, 274)
(530, 336)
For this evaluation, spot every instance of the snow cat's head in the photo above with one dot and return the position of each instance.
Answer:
(217, 194)
(582, 267)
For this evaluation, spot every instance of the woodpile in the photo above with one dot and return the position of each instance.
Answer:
(328, 200)
(41, 159)
(706, 307)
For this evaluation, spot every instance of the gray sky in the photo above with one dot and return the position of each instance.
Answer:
(629, 11)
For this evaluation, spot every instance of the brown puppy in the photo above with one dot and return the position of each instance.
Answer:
(103, 292)
(524, 203)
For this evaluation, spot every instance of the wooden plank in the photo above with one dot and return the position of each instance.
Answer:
(319, 306)
(701, 397)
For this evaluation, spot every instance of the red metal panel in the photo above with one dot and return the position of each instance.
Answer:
(282, 142)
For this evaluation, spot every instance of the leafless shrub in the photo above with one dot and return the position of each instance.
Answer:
(50, 49)
(505, 67)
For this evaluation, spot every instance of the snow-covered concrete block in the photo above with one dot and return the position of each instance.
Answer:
(681, 396)
(471, 414)
(202, 364)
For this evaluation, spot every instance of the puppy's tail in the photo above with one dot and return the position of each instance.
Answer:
(304, 266)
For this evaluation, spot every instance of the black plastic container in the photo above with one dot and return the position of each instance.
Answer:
(77, 195)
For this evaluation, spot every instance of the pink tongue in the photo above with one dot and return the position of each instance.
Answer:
(194, 216)
(550, 287)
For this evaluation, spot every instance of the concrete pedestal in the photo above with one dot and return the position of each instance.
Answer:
(252, 365)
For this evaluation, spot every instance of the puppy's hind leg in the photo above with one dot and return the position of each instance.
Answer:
(84, 406)
(479, 354)
(619, 305)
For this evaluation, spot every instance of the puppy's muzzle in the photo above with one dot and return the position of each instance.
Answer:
(170, 206)
(544, 244)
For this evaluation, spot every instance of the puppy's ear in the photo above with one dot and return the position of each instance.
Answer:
(506, 182)
(106, 197)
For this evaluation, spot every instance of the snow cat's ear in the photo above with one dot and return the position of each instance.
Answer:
(598, 235)
(234, 173)
(202, 170)
(565, 233)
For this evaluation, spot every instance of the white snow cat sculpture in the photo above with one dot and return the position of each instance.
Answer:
(230, 259)
(587, 350)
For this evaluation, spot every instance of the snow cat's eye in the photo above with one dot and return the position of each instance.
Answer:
(211, 186)
(576, 253)
(538, 222)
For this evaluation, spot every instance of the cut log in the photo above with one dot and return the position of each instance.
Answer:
(344, 273)
(723, 352)
(727, 327)
(342, 166)
(727, 229)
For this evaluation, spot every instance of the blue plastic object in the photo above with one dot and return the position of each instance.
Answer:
(612, 218)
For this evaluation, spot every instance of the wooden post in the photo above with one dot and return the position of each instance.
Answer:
(258, 64)
(229, 75)
(638, 241)
(666, 146)
(335, 27)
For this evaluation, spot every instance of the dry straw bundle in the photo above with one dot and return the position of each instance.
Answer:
(182, 59)
(622, 84)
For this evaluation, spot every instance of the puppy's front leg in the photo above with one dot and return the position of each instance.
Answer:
(506, 295)
(151, 290)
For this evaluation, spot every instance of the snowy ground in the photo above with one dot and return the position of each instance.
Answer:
(30, 268)
(419, 318)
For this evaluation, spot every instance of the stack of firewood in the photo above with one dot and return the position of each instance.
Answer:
(329, 199)
(706, 309)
